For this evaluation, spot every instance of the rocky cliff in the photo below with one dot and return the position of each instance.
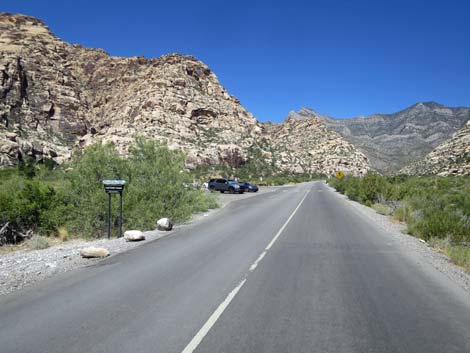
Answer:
(305, 145)
(450, 158)
(392, 141)
(56, 97)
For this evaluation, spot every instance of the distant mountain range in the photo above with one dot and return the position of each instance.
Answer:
(393, 141)
(56, 98)
(452, 157)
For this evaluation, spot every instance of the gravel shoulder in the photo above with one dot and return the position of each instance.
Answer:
(21, 268)
(421, 250)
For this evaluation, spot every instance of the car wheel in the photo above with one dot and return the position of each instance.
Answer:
(221, 191)
(231, 190)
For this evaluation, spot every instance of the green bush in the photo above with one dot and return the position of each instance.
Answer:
(83, 188)
(432, 206)
(157, 186)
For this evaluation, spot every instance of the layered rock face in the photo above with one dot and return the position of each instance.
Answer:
(56, 97)
(450, 158)
(392, 141)
(41, 108)
(303, 144)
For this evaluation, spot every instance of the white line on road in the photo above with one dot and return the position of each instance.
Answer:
(287, 222)
(212, 320)
(221, 308)
(252, 268)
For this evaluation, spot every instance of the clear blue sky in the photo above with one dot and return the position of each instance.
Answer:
(341, 58)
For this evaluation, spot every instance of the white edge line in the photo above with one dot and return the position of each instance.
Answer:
(212, 320)
(286, 223)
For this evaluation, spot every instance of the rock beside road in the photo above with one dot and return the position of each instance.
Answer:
(134, 235)
(22, 267)
(164, 224)
(92, 252)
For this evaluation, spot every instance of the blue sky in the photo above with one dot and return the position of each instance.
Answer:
(341, 58)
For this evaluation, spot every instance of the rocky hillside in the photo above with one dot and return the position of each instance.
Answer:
(56, 97)
(305, 145)
(392, 141)
(449, 158)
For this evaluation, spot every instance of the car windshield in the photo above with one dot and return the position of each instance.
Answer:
(232, 182)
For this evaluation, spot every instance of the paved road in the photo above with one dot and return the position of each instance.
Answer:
(295, 270)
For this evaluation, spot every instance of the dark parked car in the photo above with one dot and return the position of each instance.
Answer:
(243, 187)
(223, 185)
(249, 187)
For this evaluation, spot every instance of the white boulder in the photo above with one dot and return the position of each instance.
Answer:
(94, 252)
(164, 224)
(134, 235)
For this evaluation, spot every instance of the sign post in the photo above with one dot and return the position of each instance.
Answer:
(339, 175)
(114, 187)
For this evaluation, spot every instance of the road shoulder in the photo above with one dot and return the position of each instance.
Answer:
(419, 247)
(22, 268)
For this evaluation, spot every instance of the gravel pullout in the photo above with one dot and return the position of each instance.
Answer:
(22, 268)
(430, 255)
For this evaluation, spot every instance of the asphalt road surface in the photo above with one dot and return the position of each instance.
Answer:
(294, 270)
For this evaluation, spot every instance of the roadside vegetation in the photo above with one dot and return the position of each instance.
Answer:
(246, 173)
(70, 201)
(256, 172)
(436, 209)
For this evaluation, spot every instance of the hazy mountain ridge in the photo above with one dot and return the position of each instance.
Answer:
(56, 97)
(392, 141)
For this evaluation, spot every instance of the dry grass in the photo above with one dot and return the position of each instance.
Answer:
(63, 234)
(38, 242)
(382, 209)
(458, 254)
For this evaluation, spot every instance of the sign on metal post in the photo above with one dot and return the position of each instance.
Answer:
(114, 187)
(339, 174)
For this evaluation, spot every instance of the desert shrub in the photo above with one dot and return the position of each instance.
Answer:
(382, 209)
(441, 213)
(155, 179)
(157, 187)
(25, 205)
(403, 213)
(431, 206)
(87, 201)
(73, 203)
(23, 201)
(459, 254)
(38, 242)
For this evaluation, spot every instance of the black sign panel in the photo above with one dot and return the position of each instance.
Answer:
(113, 189)
(114, 186)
